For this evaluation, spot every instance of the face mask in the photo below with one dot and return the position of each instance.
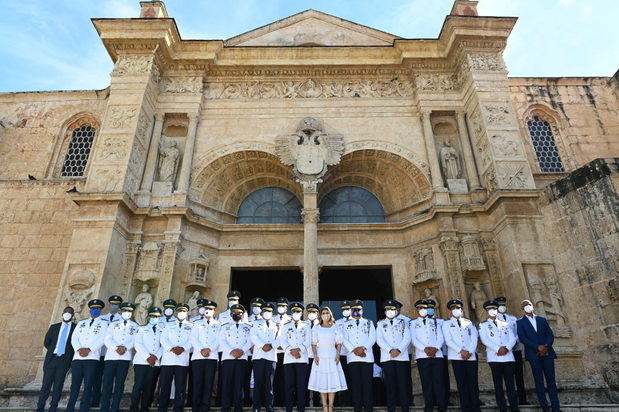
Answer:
(492, 313)
(528, 308)
(457, 313)
(255, 310)
(357, 313)
(114, 308)
(423, 312)
(201, 311)
(390, 314)
(209, 312)
(346, 313)
(430, 311)
(168, 311)
(236, 317)
(325, 317)
(296, 316)
(67, 316)
(95, 312)
(232, 303)
(502, 309)
(281, 310)
(312, 315)
(153, 321)
(126, 315)
(267, 314)
(182, 315)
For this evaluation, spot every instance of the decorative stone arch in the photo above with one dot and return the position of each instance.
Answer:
(557, 124)
(391, 148)
(63, 139)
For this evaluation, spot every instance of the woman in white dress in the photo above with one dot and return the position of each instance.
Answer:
(327, 376)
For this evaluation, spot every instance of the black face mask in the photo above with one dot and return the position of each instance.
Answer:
(236, 317)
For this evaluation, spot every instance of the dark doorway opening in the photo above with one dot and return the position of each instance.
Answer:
(373, 285)
(268, 284)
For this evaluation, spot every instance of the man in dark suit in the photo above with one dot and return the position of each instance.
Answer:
(57, 359)
(535, 333)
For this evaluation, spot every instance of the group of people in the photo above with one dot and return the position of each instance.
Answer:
(292, 351)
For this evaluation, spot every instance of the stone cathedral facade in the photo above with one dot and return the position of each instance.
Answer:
(317, 159)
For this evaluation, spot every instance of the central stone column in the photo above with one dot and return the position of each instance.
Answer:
(310, 215)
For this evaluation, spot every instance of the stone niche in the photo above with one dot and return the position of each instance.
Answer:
(194, 282)
(171, 150)
(471, 254)
(80, 287)
(449, 150)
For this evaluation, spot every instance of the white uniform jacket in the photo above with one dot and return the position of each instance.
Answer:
(458, 337)
(264, 332)
(148, 342)
(512, 323)
(165, 321)
(109, 318)
(296, 335)
(89, 333)
(234, 335)
(174, 335)
(393, 334)
(426, 334)
(312, 324)
(359, 334)
(340, 324)
(493, 336)
(205, 335)
(120, 334)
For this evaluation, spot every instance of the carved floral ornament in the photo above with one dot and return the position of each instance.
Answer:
(180, 84)
(127, 64)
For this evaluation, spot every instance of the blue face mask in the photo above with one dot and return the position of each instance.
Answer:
(430, 311)
(95, 312)
(357, 313)
(153, 321)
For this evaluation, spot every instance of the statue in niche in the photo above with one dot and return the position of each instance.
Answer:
(537, 295)
(143, 301)
(168, 161)
(193, 302)
(449, 161)
(477, 299)
(555, 310)
(429, 295)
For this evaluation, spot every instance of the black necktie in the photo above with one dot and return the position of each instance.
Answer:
(495, 324)
(112, 318)
(154, 329)
(125, 322)
(459, 322)
(268, 324)
(208, 321)
(357, 322)
(424, 321)
(92, 321)
(237, 325)
(504, 317)
(391, 321)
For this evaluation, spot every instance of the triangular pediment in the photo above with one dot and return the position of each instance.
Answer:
(313, 28)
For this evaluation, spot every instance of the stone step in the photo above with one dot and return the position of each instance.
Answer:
(564, 408)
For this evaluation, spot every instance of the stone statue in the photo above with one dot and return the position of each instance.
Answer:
(143, 301)
(428, 295)
(556, 302)
(449, 161)
(168, 161)
(477, 298)
(537, 295)
(193, 303)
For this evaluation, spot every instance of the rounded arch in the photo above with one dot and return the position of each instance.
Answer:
(351, 204)
(269, 205)
(542, 116)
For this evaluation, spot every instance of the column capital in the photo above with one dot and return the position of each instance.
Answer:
(310, 215)
(159, 116)
(425, 112)
(309, 186)
(192, 117)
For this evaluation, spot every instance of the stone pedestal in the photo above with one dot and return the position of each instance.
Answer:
(457, 186)
(162, 188)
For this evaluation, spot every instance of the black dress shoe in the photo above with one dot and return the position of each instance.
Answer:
(557, 410)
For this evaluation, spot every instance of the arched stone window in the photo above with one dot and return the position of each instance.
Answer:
(544, 145)
(351, 204)
(270, 205)
(72, 149)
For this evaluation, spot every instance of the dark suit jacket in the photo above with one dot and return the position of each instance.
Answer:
(532, 339)
(51, 337)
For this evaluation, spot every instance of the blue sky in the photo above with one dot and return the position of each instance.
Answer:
(52, 45)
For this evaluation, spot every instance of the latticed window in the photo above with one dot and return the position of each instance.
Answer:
(270, 205)
(78, 152)
(351, 204)
(544, 144)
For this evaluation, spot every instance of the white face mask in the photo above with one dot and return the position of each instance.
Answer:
(296, 316)
(423, 312)
(492, 313)
(209, 312)
(528, 308)
(267, 314)
(346, 313)
(502, 309)
(232, 302)
(67, 316)
(182, 315)
(457, 313)
(390, 313)
(312, 315)
(126, 315)
(281, 310)
(255, 310)
(168, 311)
(201, 311)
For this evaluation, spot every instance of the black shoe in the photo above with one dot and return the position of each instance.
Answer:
(546, 410)
(524, 402)
(557, 410)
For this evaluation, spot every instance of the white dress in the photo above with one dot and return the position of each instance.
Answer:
(327, 376)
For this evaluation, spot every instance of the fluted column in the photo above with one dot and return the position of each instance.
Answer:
(151, 160)
(183, 180)
(435, 168)
(310, 215)
(465, 142)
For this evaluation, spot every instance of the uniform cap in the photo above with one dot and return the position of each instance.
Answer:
(268, 307)
(421, 303)
(453, 303)
(154, 311)
(389, 304)
(431, 303)
(296, 307)
(282, 301)
(501, 300)
(169, 303)
(257, 302)
(238, 308)
(311, 307)
(345, 304)
(115, 300)
(491, 304)
(182, 307)
(128, 306)
(210, 304)
(234, 294)
(356, 304)
(201, 302)
(96, 304)
(398, 304)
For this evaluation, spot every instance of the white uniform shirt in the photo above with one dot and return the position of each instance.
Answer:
(426, 335)
(89, 333)
(340, 323)
(493, 336)
(109, 318)
(512, 323)
(148, 342)
(264, 332)
(234, 335)
(165, 321)
(296, 335)
(120, 334)
(393, 334)
(460, 337)
(173, 335)
(205, 335)
(225, 317)
(356, 335)
(444, 347)
(281, 320)
(312, 325)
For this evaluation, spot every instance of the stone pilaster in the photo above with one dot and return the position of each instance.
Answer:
(310, 215)
(450, 248)
(151, 160)
(171, 244)
(183, 180)
(467, 151)
(428, 136)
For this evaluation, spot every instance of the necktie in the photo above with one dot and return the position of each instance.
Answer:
(92, 321)
(268, 324)
(237, 325)
(112, 318)
(495, 324)
(357, 322)
(391, 321)
(296, 325)
(459, 322)
(62, 339)
(424, 321)
(154, 329)
(504, 317)
(208, 321)
(125, 322)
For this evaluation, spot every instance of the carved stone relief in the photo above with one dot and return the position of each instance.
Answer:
(178, 84)
(148, 262)
(120, 117)
(424, 265)
(80, 287)
(471, 254)
(439, 82)
(504, 146)
(513, 175)
(546, 295)
(133, 64)
(450, 161)
(496, 114)
(106, 178)
(112, 148)
(485, 62)
(169, 156)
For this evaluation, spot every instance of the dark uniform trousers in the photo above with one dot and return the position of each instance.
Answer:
(504, 371)
(154, 393)
(432, 376)
(142, 387)
(96, 383)
(409, 378)
(278, 381)
(264, 372)
(313, 394)
(81, 371)
(179, 375)
(247, 381)
(544, 367)
(465, 373)
(361, 385)
(396, 382)
(114, 375)
(295, 375)
(203, 371)
(519, 374)
(232, 378)
(54, 374)
(446, 381)
(343, 398)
